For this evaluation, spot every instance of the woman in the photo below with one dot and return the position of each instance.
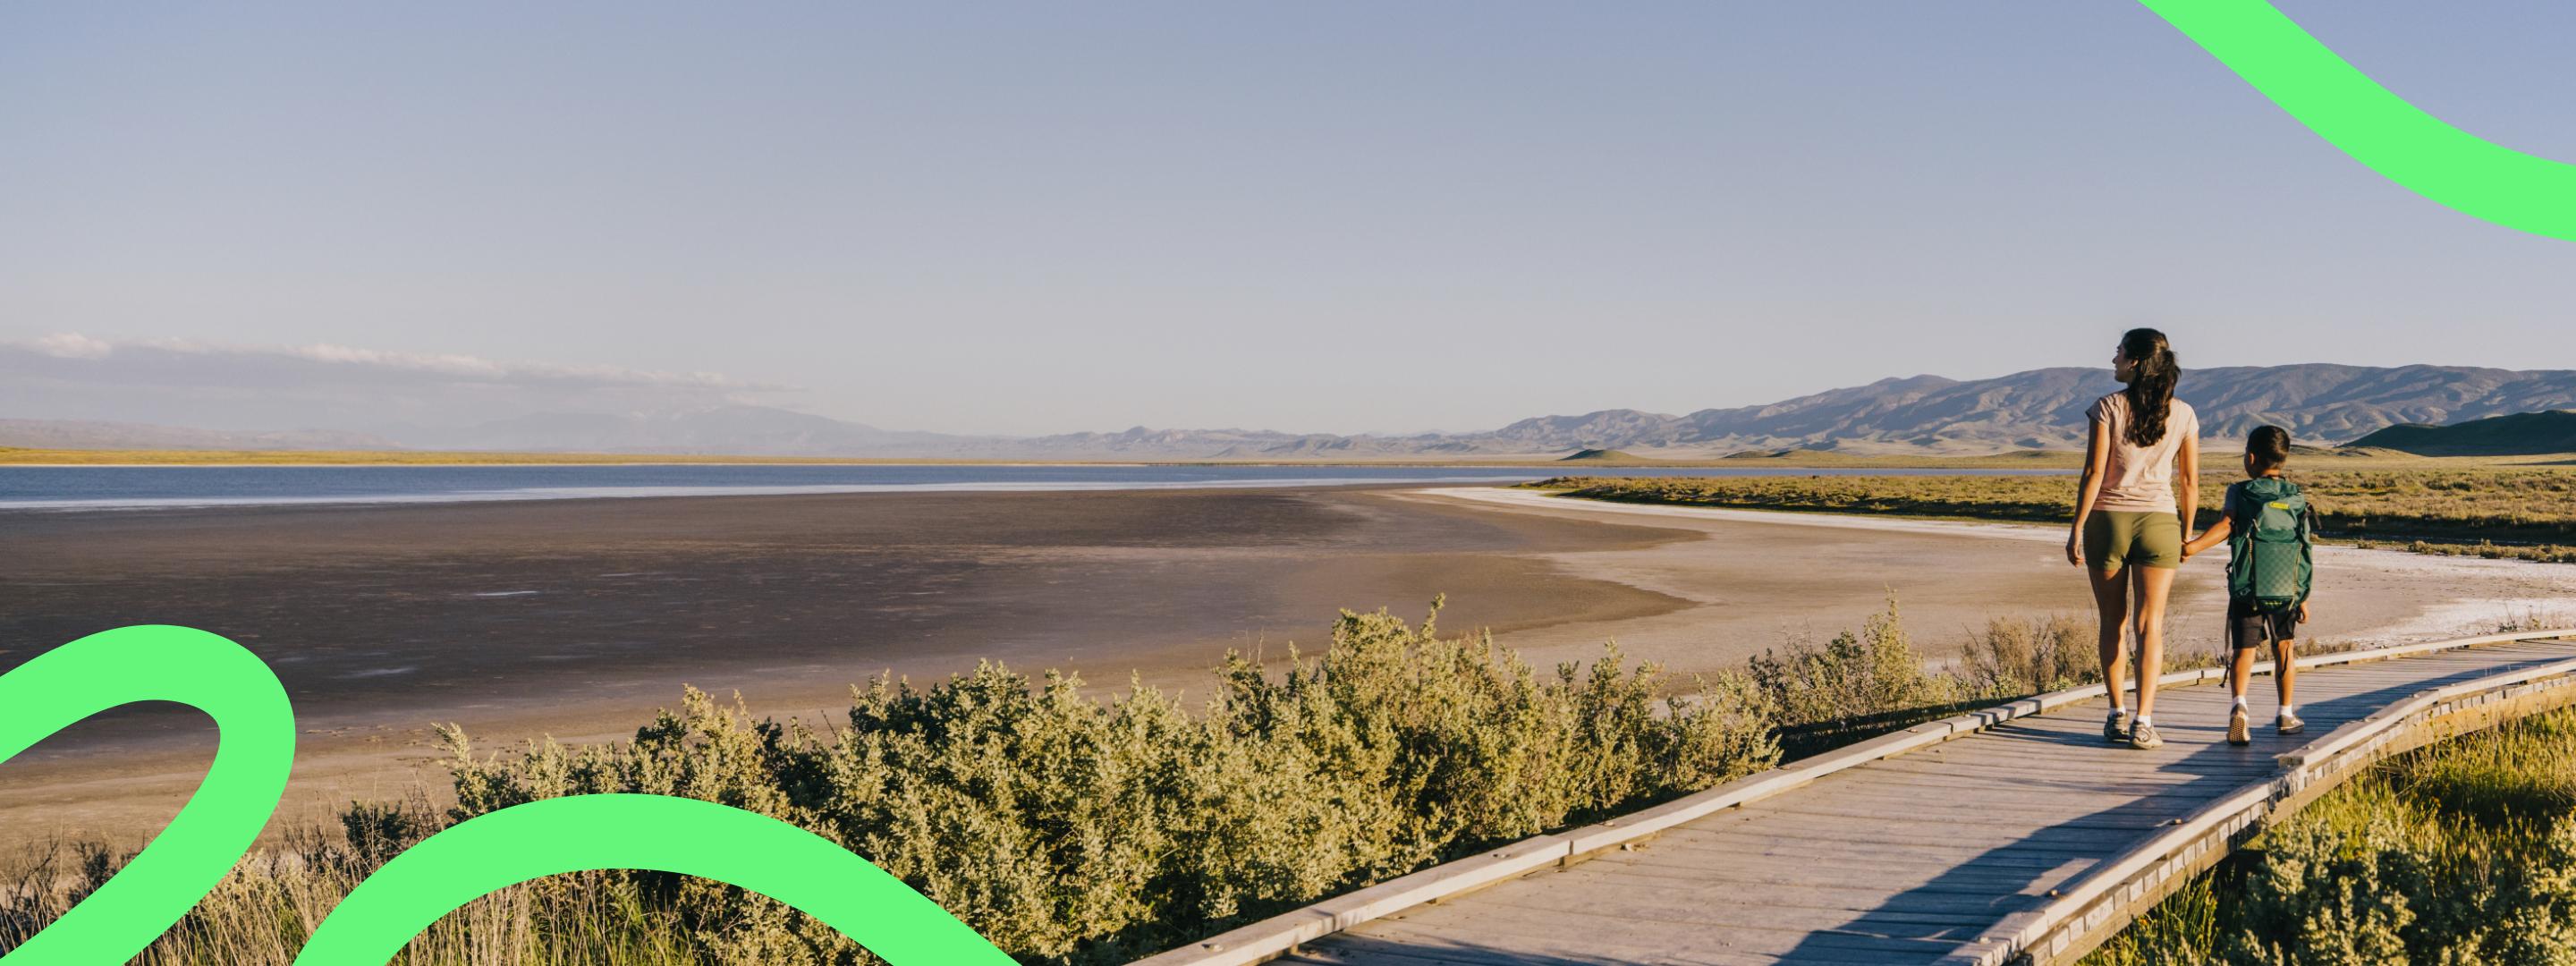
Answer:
(2130, 517)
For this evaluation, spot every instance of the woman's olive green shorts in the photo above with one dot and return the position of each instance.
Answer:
(2114, 538)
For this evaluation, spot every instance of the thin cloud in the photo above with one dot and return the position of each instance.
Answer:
(72, 345)
(71, 375)
(371, 363)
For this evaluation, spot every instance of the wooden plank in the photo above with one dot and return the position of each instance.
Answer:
(1651, 906)
(1359, 950)
(1370, 950)
(1698, 882)
(1809, 858)
(2208, 759)
(2040, 802)
(1935, 776)
(2010, 772)
(1854, 899)
(2073, 842)
(1936, 788)
(1623, 939)
(1713, 849)
(1961, 852)
(2113, 815)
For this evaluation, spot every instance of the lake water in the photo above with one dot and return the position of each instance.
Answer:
(145, 487)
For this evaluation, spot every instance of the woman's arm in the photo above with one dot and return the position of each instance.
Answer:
(2097, 456)
(2188, 499)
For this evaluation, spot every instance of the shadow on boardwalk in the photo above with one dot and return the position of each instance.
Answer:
(2194, 724)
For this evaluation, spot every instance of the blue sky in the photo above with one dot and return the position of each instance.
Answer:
(1336, 217)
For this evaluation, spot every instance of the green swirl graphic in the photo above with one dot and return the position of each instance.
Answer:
(660, 832)
(256, 746)
(256, 729)
(2377, 128)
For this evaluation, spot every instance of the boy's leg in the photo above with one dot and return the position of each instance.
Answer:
(2284, 673)
(2240, 673)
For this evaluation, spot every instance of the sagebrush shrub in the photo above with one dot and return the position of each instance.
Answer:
(1854, 675)
(2016, 656)
(1068, 829)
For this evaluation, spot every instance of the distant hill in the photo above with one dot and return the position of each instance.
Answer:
(1605, 456)
(2041, 409)
(2044, 409)
(2518, 434)
(92, 434)
(2009, 459)
(742, 430)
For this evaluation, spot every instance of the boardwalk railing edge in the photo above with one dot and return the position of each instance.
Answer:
(1279, 935)
(2091, 909)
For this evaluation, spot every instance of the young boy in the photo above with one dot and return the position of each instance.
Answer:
(2269, 528)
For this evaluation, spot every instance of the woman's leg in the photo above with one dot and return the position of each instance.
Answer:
(2155, 585)
(2111, 598)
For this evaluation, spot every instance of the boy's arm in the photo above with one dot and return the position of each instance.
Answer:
(2207, 539)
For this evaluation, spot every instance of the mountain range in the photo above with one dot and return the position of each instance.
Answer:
(2037, 409)
(2519, 434)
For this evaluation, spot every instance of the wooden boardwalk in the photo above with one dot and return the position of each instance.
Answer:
(1915, 858)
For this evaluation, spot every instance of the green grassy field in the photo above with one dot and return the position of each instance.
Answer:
(2461, 852)
(2446, 507)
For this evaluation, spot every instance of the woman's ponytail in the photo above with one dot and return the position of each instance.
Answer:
(2151, 384)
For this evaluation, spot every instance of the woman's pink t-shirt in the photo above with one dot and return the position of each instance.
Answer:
(2140, 479)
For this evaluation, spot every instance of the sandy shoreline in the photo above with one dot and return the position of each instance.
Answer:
(578, 618)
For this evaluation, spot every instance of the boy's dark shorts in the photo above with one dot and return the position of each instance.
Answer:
(2248, 626)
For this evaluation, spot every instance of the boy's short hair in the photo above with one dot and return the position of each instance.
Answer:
(2268, 445)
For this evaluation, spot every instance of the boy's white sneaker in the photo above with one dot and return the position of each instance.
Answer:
(2239, 731)
(2291, 725)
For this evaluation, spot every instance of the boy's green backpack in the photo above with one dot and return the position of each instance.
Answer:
(2268, 545)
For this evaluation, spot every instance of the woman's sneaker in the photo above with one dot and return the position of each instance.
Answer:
(2142, 736)
(2291, 725)
(2116, 729)
(2239, 731)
